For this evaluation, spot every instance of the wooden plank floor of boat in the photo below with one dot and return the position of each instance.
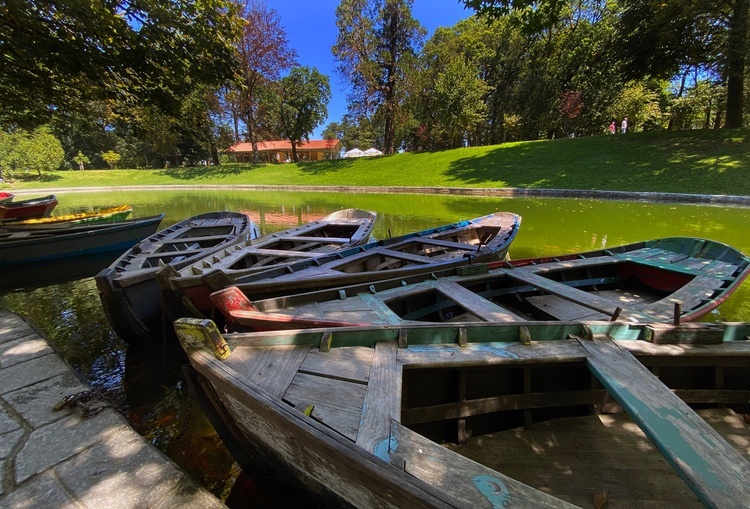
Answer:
(577, 459)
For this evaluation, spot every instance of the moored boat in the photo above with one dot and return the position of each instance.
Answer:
(128, 288)
(33, 208)
(462, 243)
(334, 233)
(105, 215)
(37, 246)
(6, 197)
(377, 416)
(664, 280)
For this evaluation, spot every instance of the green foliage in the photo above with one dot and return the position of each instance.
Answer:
(303, 104)
(377, 42)
(22, 153)
(60, 55)
(697, 161)
(112, 158)
(81, 160)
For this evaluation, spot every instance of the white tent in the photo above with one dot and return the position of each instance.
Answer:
(373, 152)
(355, 152)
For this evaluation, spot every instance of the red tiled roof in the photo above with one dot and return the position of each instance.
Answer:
(285, 145)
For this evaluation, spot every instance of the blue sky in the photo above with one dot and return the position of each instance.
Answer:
(311, 30)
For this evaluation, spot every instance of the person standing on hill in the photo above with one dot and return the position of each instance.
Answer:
(612, 128)
(624, 125)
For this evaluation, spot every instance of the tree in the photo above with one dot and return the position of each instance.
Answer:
(664, 39)
(21, 152)
(302, 106)
(60, 55)
(264, 53)
(111, 158)
(80, 159)
(376, 40)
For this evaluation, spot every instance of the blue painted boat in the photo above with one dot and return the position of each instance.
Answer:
(36, 246)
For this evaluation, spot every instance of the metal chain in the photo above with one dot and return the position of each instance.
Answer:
(188, 414)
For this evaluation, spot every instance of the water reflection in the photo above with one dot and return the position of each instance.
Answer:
(146, 382)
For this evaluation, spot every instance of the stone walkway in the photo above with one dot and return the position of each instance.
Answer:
(57, 459)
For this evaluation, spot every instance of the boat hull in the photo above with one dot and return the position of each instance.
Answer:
(427, 385)
(37, 248)
(34, 208)
(128, 290)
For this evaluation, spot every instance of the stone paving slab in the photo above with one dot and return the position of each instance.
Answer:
(58, 459)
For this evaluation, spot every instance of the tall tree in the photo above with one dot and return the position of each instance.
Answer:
(58, 55)
(303, 104)
(376, 40)
(264, 55)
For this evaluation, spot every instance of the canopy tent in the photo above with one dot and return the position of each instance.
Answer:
(355, 152)
(373, 152)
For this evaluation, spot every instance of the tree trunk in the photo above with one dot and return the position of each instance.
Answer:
(736, 49)
(295, 158)
(215, 154)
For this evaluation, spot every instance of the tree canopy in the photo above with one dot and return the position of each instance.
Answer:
(60, 55)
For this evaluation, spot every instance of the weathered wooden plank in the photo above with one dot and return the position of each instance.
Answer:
(271, 368)
(577, 458)
(344, 363)
(449, 244)
(310, 451)
(475, 485)
(692, 295)
(476, 305)
(381, 309)
(322, 240)
(401, 255)
(693, 333)
(383, 400)
(572, 294)
(469, 408)
(713, 469)
(485, 354)
(335, 403)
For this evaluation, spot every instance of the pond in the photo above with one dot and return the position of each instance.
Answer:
(146, 384)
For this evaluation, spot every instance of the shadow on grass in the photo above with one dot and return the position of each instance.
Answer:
(323, 167)
(690, 161)
(45, 177)
(204, 172)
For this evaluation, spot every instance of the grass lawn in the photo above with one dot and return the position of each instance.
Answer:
(695, 162)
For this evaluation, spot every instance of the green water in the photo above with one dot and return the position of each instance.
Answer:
(147, 384)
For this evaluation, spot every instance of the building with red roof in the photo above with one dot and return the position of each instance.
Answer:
(280, 151)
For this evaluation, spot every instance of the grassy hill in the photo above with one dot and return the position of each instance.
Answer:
(710, 162)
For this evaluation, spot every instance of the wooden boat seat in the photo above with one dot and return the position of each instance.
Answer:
(390, 253)
(566, 292)
(325, 240)
(282, 253)
(715, 470)
(191, 240)
(484, 309)
(449, 244)
(564, 310)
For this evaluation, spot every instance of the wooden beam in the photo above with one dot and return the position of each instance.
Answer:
(711, 467)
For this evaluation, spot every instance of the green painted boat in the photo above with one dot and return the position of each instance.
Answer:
(527, 414)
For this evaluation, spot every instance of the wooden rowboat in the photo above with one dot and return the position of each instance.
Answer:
(664, 280)
(334, 233)
(33, 208)
(107, 215)
(38, 246)
(6, 197)
(465, 242)
(128, 288)
(523, 415)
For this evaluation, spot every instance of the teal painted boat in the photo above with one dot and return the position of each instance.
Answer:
(529, 414)
(664, 280)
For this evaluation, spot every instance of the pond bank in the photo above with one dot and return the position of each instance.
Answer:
(58, 458)
(711, 199)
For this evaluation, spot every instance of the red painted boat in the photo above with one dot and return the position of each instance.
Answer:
(6, 197)
(34, 208)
